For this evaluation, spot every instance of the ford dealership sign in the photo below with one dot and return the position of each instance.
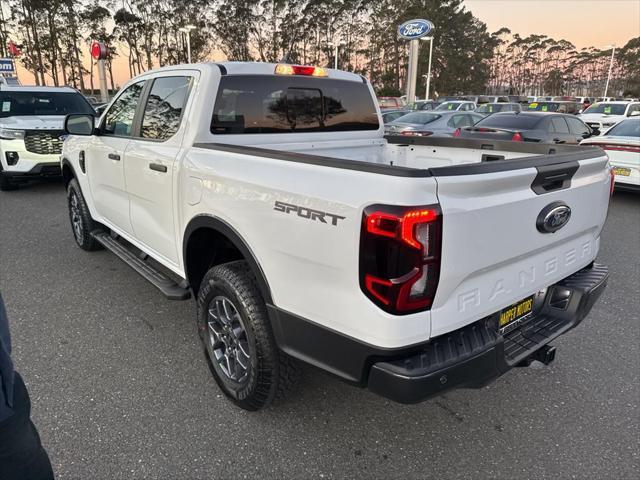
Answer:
(415, 29)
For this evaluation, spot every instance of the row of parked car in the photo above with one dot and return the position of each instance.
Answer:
(612, 125)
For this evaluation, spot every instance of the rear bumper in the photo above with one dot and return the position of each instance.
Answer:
(466, 358)
(476, 354)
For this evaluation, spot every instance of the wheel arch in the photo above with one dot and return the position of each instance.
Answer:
(68, 173)
(213, 240)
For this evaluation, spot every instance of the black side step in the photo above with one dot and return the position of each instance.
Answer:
(166, 285)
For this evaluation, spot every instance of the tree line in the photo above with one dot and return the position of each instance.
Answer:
(54, 36)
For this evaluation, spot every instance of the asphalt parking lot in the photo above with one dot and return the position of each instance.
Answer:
(120, 387)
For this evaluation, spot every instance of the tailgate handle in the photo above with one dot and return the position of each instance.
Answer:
(551, 178)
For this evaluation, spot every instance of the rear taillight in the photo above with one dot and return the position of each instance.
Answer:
(457, 132)
(416, 133)
(400, 256)
(612, 174)
(516, 137)
(617, 148)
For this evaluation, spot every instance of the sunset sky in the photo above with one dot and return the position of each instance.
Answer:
(584, 23)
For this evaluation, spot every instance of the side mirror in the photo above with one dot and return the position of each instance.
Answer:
(79, 124)
(594, 133)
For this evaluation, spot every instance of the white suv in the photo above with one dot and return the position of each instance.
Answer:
(604, 115)
(31, 124)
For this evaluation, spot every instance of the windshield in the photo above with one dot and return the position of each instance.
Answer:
(626, 128)
(607, 108)
(291, 104)
(418, 117)
(448, 106)
(544, 106)
(42, 104)
(509, 122)
(492, 108)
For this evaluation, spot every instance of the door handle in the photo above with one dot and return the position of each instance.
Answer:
(158, 168)
(114, 156)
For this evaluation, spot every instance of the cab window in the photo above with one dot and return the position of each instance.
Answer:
(118, 120)
(164, 107)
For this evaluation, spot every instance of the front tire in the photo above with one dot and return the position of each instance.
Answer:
(81, 222)
(237, 338)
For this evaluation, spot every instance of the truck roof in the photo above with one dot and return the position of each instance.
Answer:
(251, 68)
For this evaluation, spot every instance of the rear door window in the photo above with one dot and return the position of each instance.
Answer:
(291, 104)
(165, 104)
(577, 127)
(559, 125)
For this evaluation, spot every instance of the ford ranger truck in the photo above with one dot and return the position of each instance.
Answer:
(31, 123)
(269, 193)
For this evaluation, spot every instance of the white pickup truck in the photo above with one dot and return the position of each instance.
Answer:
(269, 193)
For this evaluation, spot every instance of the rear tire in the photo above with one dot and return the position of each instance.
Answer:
(81, 222)
(235, 330)
(6, 184)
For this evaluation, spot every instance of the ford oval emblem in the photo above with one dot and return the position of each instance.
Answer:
(415, 29)
(553, 217)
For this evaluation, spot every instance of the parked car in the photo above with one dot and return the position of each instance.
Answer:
(622, 144)
(408, 265)
(498, 98)
(390, 103)
(529, 127)
(449, 98)
(477, 99)
(603, 115)
(442, 123)
(423, 105)
(391, 115)
(9, 81)
(566, 98)
(522, 99)
(31, 123)
(489, 108)
(461, 105)
(555, 106)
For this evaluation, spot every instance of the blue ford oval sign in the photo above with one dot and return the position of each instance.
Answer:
(415, 29)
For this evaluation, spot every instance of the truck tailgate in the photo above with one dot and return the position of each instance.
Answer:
(493, 251)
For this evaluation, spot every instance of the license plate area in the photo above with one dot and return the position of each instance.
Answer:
(515, 314)
(622, 171)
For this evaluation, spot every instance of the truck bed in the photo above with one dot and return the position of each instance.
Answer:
(417, 156)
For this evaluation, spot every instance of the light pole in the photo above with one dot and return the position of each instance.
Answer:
(613, 52)
(426, 93)
(187, 30)
(337, 45)
(430, 39)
